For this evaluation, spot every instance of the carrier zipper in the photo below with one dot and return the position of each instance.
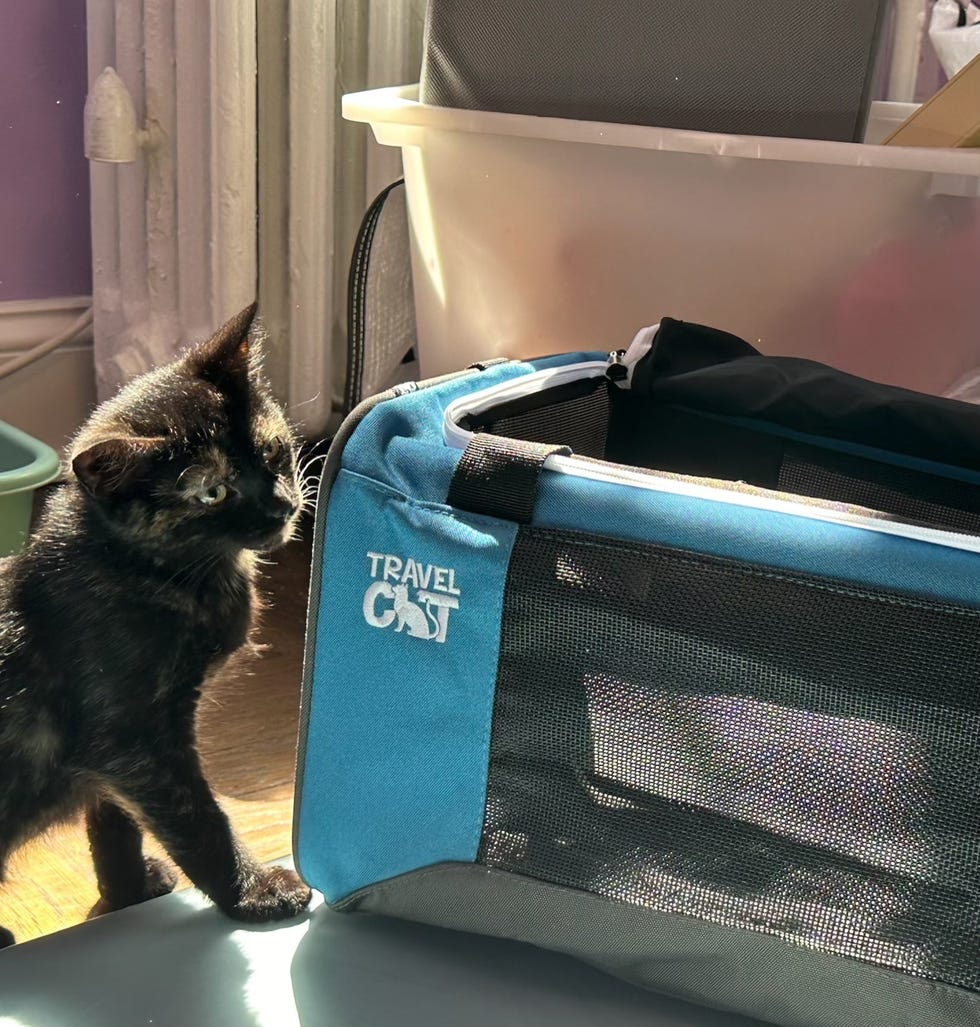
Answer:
(618, 474)
(617, 369)
(625, 359)
(477, 402)
(640, 346)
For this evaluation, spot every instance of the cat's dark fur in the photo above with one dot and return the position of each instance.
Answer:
(136, 588)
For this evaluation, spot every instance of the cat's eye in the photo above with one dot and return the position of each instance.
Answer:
(214, 495)
(272, 451)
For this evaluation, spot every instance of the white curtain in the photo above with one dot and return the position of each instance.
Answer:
(253, 182)
(318, 174)
(173, 224)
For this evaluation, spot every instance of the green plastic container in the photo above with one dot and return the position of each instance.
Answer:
(25, 465)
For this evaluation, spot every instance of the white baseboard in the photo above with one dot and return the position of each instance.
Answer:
(25, 323)
(51, 398)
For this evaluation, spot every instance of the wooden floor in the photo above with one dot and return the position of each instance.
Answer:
(247, 730)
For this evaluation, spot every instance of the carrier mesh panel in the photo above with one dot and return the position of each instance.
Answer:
(581, 423)
(765, 751)
(389, 306)
(914, 496)
(588, 425)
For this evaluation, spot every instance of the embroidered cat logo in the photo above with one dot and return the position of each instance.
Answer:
(413, 617)
(388, 602)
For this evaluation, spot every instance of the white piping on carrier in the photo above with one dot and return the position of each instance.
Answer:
(602, 471)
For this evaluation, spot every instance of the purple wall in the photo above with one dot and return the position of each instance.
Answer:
(44, 214)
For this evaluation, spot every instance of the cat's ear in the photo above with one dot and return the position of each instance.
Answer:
(230, 353)
(111, 467)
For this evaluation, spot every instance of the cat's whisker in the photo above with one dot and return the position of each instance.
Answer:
(306, 402)
(305, 466)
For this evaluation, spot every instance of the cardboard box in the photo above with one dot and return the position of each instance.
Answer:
(950, 118)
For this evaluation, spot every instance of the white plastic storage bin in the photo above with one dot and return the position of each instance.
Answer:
(538, 235)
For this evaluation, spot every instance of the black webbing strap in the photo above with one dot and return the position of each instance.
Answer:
(499, 477)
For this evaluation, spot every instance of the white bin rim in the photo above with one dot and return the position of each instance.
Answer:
(396, 116)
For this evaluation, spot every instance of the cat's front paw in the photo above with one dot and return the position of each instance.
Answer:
(6, 938)
(159, 879)
(275, 894)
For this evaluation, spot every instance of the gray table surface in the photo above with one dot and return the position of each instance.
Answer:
(176, 962)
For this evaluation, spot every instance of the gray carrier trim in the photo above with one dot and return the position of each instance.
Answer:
(739, 971)
(331, 468)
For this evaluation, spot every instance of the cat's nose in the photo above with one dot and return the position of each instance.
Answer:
(281, 512)
(282, 508)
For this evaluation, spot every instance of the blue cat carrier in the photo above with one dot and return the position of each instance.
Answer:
(667, 659)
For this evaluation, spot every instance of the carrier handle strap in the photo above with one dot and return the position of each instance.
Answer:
(498, 477)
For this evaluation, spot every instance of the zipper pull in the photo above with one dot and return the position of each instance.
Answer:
(616, 370)
(623, 361)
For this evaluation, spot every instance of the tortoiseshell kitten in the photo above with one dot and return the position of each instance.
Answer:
(137, 586)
